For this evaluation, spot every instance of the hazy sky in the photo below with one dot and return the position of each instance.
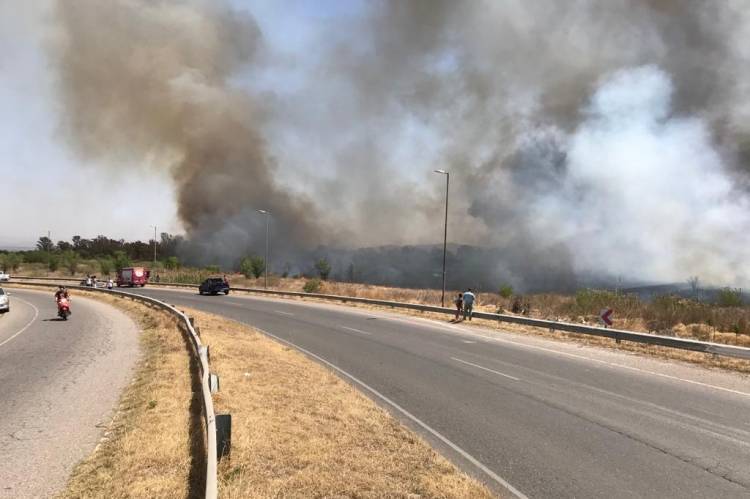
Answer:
(44, 187)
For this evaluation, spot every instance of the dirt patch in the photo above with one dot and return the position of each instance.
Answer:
(300, 431)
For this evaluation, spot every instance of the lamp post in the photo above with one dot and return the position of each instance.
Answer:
(267, 214)
(445, 232)
(154, 226)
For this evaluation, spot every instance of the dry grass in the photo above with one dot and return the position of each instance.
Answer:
(149, 447)
(300, 431)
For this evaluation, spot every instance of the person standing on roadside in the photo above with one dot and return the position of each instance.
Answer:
(110, 283)
(468, 303)
(459, 305)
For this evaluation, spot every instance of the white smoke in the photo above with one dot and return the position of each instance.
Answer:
(646, 194)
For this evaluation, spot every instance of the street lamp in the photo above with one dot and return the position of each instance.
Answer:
(445, 233)
(154, 226)
(267, 214)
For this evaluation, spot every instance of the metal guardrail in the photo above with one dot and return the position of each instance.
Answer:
(615, 334)
(211, 491)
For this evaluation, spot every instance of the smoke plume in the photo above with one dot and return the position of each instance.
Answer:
(583, 138)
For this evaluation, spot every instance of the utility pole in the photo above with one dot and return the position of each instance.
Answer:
(267, 214)
(154, 226)
(445, 232)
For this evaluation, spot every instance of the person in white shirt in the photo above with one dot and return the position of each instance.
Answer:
(468, 303)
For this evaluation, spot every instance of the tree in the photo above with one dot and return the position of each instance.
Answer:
(323, 268)
(253, 266)
(121, 260)
(64, 246)
(45, 244)
(70, 261)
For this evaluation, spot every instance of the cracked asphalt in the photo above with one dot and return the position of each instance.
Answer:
(60, 385)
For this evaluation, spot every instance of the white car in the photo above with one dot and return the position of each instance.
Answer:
(4, 301)
(4, 277)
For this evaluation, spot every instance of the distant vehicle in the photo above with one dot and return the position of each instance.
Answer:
(214, 286)
(4, 301)
(4, 277)
(132, 276)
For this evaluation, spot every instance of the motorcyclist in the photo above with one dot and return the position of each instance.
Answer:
(61, 293)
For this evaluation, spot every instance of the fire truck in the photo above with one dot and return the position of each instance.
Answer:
(132, 276)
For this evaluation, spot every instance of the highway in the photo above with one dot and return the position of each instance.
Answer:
(60, 384)
(538, 417)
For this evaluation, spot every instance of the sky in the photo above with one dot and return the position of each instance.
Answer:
(45, 187)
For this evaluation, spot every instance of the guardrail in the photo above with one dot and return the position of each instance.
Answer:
(201, 351)
(615, 334)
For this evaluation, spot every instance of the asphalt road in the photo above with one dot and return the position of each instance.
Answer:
(547, 418)
(60, 382)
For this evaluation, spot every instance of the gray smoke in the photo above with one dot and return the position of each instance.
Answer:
(583, 138)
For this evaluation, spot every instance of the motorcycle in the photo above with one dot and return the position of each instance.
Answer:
(63, 308)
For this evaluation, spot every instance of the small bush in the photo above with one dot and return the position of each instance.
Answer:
(506, 291)
(323, 268)
(312, 286)
(121, 260)
(213, 269)
(53, 263)
(105, 265)
(253, 266)
(172, 263)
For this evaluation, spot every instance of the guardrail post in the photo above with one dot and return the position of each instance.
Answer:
(223, 435)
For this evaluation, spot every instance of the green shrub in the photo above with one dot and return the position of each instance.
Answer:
(312, 286)
(252, 266)
(506, 291)
(105, 265)
(323, 268)
(53, 263)
(70, 260)
(121, 260)
(172, 263)
(213, 269)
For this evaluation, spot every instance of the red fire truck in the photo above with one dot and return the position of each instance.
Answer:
(132, 276)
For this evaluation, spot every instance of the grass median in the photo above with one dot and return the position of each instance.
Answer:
(300, 431)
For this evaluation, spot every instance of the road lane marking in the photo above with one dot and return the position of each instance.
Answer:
(468, 341)
(283, 313)
(486, 369)
(36, 314)
(408, 414)
(355, 330)
(465, 332)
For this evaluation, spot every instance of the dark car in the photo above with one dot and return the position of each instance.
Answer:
(214, 286)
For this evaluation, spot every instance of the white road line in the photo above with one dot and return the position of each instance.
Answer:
(486, 369)
(355, 330)
(409, 415)
(283, 313)
(36, 314)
